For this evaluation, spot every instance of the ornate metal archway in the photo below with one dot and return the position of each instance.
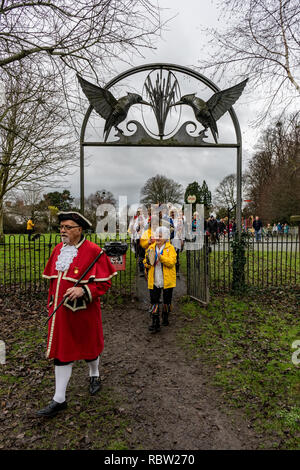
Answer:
(162, 95)
(162, 89)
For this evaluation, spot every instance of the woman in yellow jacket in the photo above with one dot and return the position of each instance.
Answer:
(29, 228)
(160, 261)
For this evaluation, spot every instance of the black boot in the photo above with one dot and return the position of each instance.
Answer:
(153, 309)
(155, 325)
(165, 315)
(95, 385)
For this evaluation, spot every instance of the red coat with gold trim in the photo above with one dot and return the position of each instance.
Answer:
(75, 330)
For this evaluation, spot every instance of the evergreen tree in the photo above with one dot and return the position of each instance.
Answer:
(62, 200)
(202, 193)
(193, 189)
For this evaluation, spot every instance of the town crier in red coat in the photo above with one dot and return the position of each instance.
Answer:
(75, 330)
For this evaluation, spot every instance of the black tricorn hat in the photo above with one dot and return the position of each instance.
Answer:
(76, 217)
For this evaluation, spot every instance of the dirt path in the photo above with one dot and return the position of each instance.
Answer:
(165, 393)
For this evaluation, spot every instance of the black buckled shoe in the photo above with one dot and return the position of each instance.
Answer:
(52, 409)
(95, 385)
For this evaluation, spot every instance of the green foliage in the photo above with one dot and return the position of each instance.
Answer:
(62, 200)
(238, 246)
(205, 195)
(202, 193)
(193, 189)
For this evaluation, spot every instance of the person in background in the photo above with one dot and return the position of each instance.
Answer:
(139, 225)
(221, 227)
(279, 228)
(257, 225)
(286, 229)
(212, 227)
(229, 228)
(233, 227)
(30, 226)
(274, 230)
(269, 230)
(178, 239)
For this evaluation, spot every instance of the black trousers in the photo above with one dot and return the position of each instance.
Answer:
(141, 252)
(57, 362)
(155, 295)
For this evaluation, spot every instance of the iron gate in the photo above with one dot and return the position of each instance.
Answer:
(198, 273)
(162, 90)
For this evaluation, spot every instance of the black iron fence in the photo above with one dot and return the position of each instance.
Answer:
(270, 262)
(22, 262)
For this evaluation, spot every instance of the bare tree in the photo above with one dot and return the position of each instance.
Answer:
(37, 140)
(41, 43)
(225, 193)
(262, 42)
(63, 36)
(96, 199)
(274, 171)
(82, 35)
(30, 196)
(162, 190)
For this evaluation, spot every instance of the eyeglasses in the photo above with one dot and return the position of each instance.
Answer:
(68, 227)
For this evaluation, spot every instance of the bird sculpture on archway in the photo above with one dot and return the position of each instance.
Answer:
(208, 112)
(113, 110)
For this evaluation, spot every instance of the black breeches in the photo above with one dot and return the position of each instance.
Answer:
(141, 256)
(57, 362)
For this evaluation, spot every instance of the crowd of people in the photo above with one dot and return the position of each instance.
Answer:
(259, 231)
(157, 242)
(80, 272)
(157, 245)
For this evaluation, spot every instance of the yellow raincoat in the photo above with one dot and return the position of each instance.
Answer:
(30, 224)
(168, 260)
(146, 236)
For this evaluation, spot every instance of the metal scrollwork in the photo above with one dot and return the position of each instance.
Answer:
(162, 91)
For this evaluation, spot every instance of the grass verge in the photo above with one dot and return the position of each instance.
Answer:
(246, 345)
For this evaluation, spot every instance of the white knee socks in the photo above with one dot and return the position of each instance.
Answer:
(94, 368)
(62, 377)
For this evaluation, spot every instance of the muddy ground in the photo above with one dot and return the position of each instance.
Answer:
(165, 394)
(168, 393)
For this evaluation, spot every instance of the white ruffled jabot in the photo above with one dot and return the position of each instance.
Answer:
(65, 257)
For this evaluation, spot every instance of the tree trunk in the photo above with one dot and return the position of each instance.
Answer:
(1, 222)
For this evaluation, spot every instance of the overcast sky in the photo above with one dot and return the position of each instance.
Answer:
(123, 171)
